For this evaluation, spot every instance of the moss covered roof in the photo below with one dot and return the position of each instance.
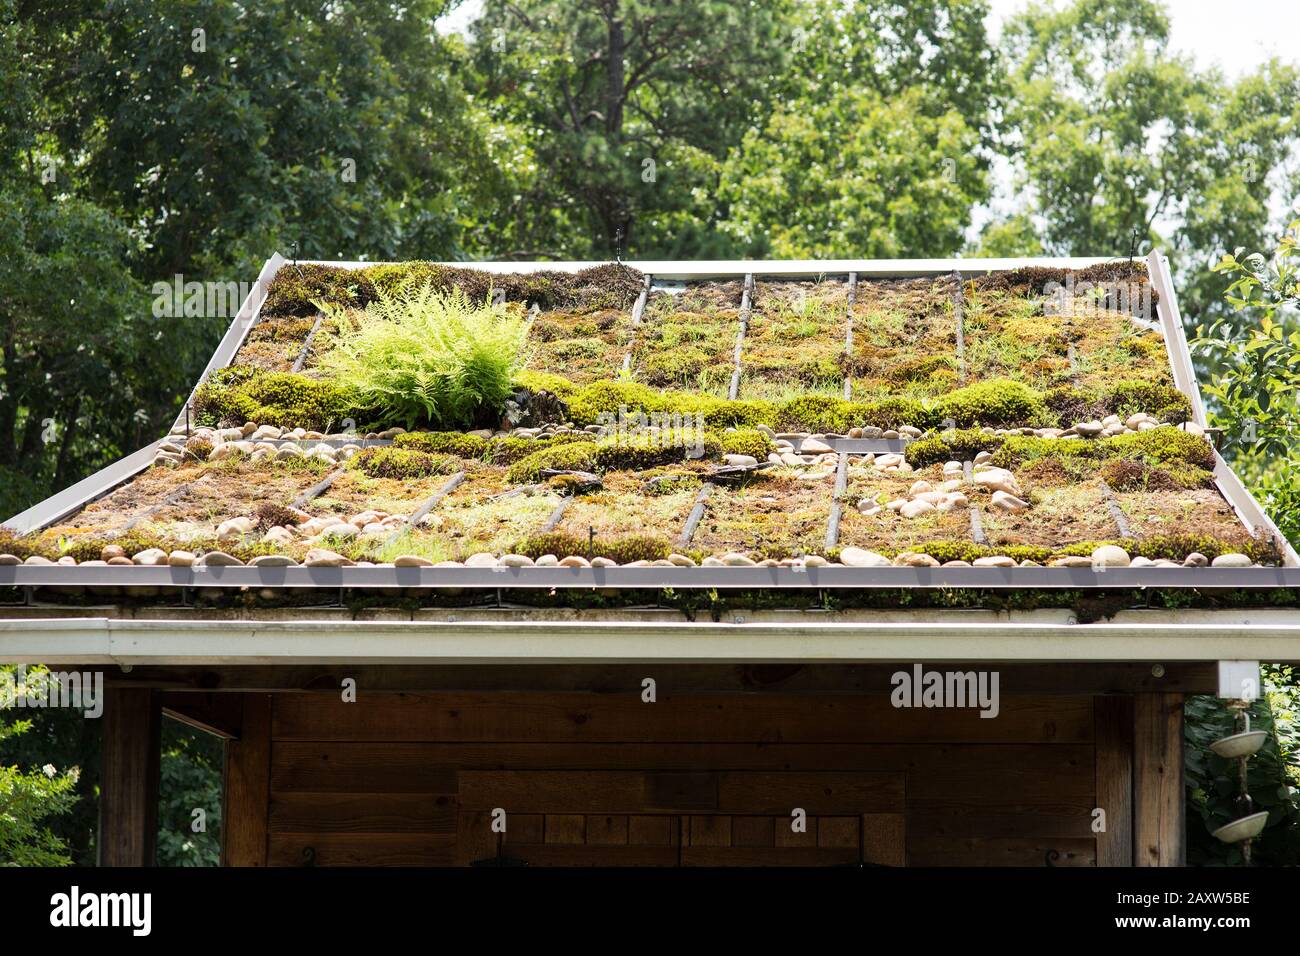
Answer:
(1025, 417)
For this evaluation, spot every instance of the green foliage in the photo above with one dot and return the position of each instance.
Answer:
(570, 456)
(746, 441)
(30, 799)
(282, 399)
(403, 463)
(1179, 147)
(444, 443)
(1212, 783)
(1258, 366)
(190, 774)
(420, 355)
(999, 402)
(797, 187)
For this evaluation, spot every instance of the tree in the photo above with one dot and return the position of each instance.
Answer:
(30, 800)
(1116, 137)
(620, 108)
(1254, 390)
(854, 176)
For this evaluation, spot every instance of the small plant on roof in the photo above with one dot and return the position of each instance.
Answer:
(418, 355)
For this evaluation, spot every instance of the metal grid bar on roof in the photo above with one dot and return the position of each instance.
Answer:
(301, 360)
(959, 319)
(638, 309)
(23, 576)
(746, 305)
(848, 333)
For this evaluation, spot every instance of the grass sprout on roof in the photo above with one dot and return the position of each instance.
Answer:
(419, 355)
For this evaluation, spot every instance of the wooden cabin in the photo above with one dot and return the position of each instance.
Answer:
(788, 563)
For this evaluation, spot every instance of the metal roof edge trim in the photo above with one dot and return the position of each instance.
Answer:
(101, 640)
(83, 492)
(645, 577)
(239, 328)
(1248, 510)
(68, 500)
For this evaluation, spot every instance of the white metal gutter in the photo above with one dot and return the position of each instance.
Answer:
(1207, 636)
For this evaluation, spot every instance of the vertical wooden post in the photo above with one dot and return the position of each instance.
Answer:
(1113, 736)
(129, 756)
(1159, 834)
(247, 797)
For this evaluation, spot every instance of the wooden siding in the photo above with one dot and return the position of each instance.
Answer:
(700, 779)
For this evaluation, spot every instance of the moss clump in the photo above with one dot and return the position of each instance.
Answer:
(1171, 547)
(671, 483)
(623, 550)
(270, 515)
(403, 463)
(1071, 404)
(602, 402)
(717, 412)
(1000, 402)
(1159, 446)
(814, 413)
(893, 413)
(1164, 401)
(747, 441)
(957, 445)
(594, 404)
(198, 448)
(1127, 474)
(274, 398)
(920, 369)
(572, 456)
(1017, 450)
(507, 451)
(444, 443)
(536, 381)
(651, 451)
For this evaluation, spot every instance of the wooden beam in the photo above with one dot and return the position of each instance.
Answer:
(219, 714)
(128, 800)
(248, 786)
(1113, 732)
(1066, 679)
(1158, 815)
